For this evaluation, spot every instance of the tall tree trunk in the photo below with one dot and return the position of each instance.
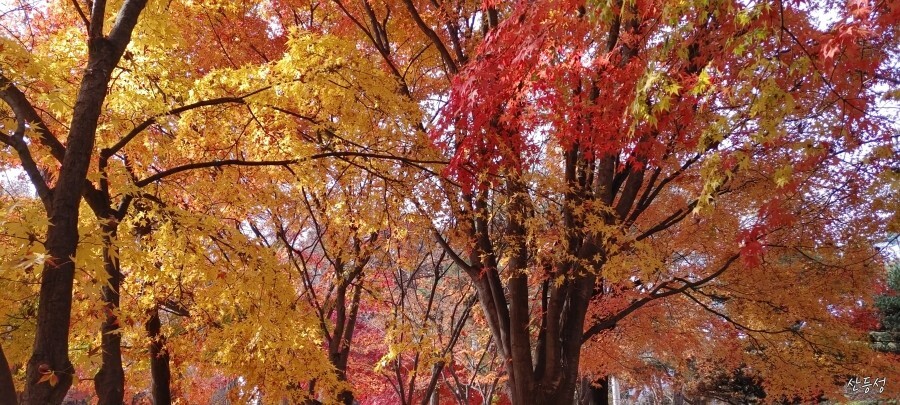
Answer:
(50, 354)
(160, 374)
(7, 387)
(433, 396)
(51, 342)
(109, 382)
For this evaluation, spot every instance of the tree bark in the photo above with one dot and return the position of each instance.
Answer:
(435, 397)
(160, 373)
(7, 387)
(109, 382)
(339, 347)
(51, 341)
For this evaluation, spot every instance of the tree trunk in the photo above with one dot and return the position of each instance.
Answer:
(7, 387)
(51, 341)
(435, 398)
(432, 390)
(160, 374)
(339, 347)
(109, 382)
(50, 355)
(678, 398)
(596, 392)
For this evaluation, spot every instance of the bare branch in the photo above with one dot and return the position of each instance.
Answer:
(87, 24)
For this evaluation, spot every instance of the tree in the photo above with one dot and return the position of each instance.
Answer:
(430, 331)
(99, 195)
(334, 262)
(50, 362)
(126, 168)
(614, 156)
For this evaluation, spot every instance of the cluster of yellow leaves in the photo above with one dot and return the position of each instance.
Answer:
(21, 257)
(244, 317)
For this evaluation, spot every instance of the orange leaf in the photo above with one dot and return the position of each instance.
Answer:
(45, 378)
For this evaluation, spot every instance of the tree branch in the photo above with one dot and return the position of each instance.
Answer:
(433, 36)
(87, 24)
(452, 253)
(105, 154)
(676, 216)
(98, 10)
(27, 114)
(126, 20)
(732, 321)
(287, 162)
(454, 336)
(17, 142)
(657, 293)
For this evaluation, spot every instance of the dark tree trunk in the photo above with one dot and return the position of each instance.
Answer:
(160, 373)
(51, 341)
(339, 347)
(434, 394)
(7, 387)
(544, 371)
(109, 382)
(596, 392)
(435, 397)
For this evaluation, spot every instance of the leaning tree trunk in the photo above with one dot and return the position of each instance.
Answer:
(50, 355)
